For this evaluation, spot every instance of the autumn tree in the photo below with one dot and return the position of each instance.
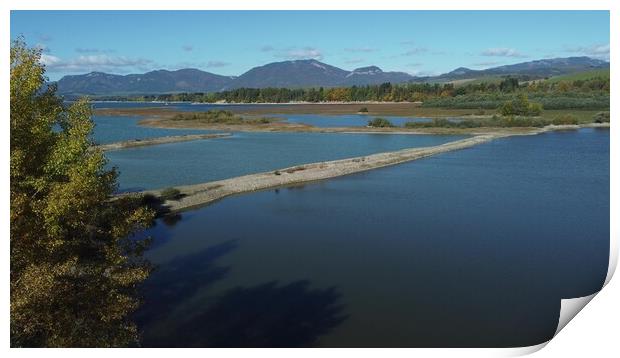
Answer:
(75, 261)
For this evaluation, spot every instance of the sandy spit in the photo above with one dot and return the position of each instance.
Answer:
(159, 140)
(205, 193)
(197, 195)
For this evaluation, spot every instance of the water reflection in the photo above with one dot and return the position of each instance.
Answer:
(469, 248)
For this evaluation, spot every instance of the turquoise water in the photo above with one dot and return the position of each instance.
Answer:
(245, 153)
(110, 129)
(473, 248)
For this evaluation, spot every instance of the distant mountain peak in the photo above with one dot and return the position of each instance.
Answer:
(299, 74)
(368, 70)
(461, 71)
(97, 73)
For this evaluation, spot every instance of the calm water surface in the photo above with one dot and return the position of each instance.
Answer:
(245, 153)
(110, 129)
(468, 248)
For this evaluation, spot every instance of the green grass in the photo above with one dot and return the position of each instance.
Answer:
(557, 117)
(603, 73)
(221, 117)
(475, 81)
(582, 116)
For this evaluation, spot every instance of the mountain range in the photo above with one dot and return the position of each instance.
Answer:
(299, 74)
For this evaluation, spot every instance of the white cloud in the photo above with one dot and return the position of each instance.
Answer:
(502, 52)
(89, 63)
(305, 53)
(600, 51)
(49, 60)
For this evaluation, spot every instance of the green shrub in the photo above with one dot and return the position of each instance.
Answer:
(380, 123)
(534, 109)
(212, 116)
(565, 119)
(520, 106)
(493, 100)
(601, 117)
(218, 116)
(170, 194)
(263, 120)
(495, 121)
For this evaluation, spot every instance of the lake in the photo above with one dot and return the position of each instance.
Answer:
(324, 121)
(195, 162)
(109, 129)
(473, 248)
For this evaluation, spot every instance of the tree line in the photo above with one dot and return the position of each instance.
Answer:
(588, 93)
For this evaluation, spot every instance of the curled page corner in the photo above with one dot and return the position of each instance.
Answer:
(613, 259)
(569, 309)
(522, 351)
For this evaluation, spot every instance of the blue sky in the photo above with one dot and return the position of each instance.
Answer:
(232, 42)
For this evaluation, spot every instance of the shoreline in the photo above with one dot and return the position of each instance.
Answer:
(300, 127)
(202, 194)
(403, 109)
(158, 117)
(198, 195)
(133, 143)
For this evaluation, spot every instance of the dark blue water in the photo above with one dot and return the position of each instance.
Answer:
(472, 248)
(110, 129)
(245, 153)
(352, 120)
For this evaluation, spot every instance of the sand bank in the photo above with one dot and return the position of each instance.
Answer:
(159, 140)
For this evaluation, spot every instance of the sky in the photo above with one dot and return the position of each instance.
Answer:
(232, 42)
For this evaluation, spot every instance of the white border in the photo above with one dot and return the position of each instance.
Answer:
(593, 333)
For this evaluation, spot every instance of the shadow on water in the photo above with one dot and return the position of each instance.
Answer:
(266, 315)
(171, 219)
(172, 283)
